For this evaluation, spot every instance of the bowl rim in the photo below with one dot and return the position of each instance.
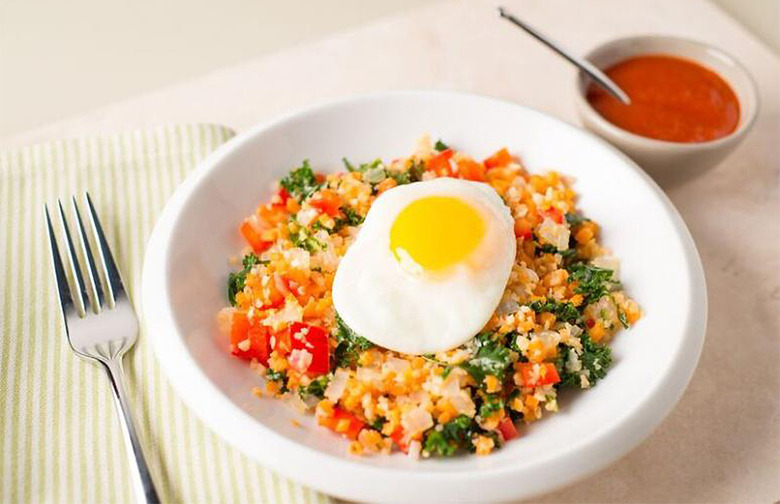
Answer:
(227, 419)
(746, 123)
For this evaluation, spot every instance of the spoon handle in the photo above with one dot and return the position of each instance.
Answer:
(584, 65)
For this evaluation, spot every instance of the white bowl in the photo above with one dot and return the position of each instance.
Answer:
(670, 162)
(186, 268)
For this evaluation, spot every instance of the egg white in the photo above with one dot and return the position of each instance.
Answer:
(412, 311)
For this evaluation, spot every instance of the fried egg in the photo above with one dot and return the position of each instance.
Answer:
(428, 267)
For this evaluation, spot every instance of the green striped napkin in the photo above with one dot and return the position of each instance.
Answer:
(59, 435)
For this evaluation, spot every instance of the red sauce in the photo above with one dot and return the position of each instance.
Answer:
(672, 99)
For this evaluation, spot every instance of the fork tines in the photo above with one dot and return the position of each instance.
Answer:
(102, 273)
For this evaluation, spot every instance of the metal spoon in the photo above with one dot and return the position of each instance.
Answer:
(597, 75)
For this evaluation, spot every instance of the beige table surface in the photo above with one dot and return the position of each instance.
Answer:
(722, 442)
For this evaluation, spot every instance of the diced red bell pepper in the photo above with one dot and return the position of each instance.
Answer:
(259, 348)
(471, 170)
(334, 423)
(548, 375)
(281, 197)
(314, 340)
(554, 214)
(523, 228)
(499, 159)
(243, 333)
(253, 238)
(398, 437)
(507, 428)
(440, 163)
(327, 201)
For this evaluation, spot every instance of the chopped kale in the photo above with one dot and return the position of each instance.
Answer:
(416, 170)
(250, 260)
(548, 248)
(377, 163)
(316, 388)
(362, 167)
(575, 219)
(568, 379)
(235, 284)
(565, 312)
(622, 318)
(413, 173)
(440, 146)
(511, 339)
(592, 282)
(317, 225)
(303, 239)
(277, 376)
(349, 166)
(454, 436)
(351, 218)
(437, 444)
(350, 344)
(400, 177)
(491, 358)
(491, 405)
(378, 423)
(272, 375)
(301, 182)
(484, 338)
(595, 358)
(237, 279)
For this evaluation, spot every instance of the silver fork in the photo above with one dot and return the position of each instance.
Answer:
(100, 324)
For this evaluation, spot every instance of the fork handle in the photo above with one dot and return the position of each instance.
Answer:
(141, 477)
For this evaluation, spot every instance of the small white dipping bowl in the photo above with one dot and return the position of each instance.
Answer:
(670, 162)
(186, 270)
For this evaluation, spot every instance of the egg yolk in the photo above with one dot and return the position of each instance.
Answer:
(436, 232)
